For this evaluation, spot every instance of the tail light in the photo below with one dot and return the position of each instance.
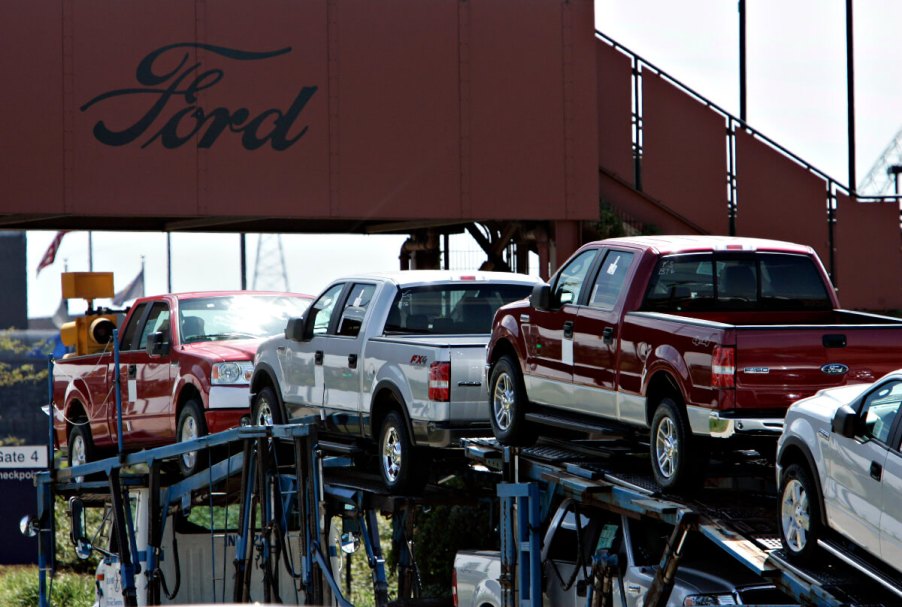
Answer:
(723, 367)
(440, 381)
(454, 586)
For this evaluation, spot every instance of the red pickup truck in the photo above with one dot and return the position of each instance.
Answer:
(687, 338)
(185, 364)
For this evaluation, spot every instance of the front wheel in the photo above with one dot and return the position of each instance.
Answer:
(191, 425)
(671, 448)
(800, 522)
(396, 458)
(81, 446)
(507, 398)
(266, 410)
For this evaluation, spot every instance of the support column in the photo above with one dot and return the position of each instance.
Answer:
(566, 241)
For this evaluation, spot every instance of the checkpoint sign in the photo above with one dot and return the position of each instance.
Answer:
(18, 466)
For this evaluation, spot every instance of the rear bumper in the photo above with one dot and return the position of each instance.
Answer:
(444, 434)
(727, 424)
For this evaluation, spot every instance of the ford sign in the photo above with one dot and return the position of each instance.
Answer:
(835, 369)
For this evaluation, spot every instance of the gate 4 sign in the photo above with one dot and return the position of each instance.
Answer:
(30, 456)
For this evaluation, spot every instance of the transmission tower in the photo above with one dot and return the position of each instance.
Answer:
(269, 268)
(882, 179)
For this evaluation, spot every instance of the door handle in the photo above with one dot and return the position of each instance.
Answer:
(608, 335)
(352, 361)
(568, 329)
(318, 357)
(876, 471)
(133, 371)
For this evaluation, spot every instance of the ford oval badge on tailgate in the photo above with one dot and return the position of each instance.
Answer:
(835, 369)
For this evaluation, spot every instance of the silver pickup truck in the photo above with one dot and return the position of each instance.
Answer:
(394, 359)
(632, 549)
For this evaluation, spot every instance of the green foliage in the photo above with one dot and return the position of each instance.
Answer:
(19, 586)
(12, 374)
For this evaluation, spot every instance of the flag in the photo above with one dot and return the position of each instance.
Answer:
(134, 289)
(50, 254)
(61, 316)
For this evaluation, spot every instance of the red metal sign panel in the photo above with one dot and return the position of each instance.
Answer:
(320, 109)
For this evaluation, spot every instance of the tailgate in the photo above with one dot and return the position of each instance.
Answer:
(776, 366)
(468, 394)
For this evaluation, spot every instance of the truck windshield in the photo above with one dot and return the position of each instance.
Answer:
(451, 309)
(237, 316)
(740, 281)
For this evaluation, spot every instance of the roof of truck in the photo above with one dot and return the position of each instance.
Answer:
(691, 243)
(406, 278)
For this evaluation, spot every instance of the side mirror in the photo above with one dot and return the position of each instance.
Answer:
(79, 523)
(294, 330)
(157, 344)
(540, 299)
(29, 525)
(845, 422)
(350, 542)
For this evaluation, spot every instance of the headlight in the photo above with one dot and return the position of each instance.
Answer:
(232, 372)
(709, 599)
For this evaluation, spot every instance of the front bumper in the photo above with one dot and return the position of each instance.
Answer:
(719, 424)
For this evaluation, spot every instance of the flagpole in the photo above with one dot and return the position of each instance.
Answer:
(168, 262)
(90, 252)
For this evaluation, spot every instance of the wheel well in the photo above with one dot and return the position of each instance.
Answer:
(76, 411)
(503, 348)
(385, 401)
(188, 392)
(793, 454)
(661, 385)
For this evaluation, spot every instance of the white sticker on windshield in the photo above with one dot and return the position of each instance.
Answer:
(612, 268)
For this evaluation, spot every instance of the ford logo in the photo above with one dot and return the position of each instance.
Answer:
(835, 369)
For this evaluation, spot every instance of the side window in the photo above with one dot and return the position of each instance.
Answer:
(323, 307)
(157, 321)
(572, 277)
(129, 336)
(611, 278)
(880, 409)
(355, 309)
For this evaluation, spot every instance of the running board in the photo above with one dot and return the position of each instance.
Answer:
(862, 566)
(578, 424)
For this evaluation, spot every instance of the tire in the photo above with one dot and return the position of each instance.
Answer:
(507, 405)
(399, 466)
(266, 410)
(800, 513)
(671, 447)
(81, 446)
(191, 425)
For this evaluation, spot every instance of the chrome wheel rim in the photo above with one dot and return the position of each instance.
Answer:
(264, 413)
(503, 401)
(391, 454)
(189, 432)
(666, 447)
(795, 515)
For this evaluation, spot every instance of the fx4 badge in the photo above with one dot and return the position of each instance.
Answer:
(834, 369)
(419, 360)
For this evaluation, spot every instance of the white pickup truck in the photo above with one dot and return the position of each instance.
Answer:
(393, 359)
(632, 550)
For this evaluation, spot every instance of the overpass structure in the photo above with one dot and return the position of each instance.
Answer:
(402, 117)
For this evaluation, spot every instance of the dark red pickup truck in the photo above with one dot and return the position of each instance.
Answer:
(688, 338)
(185, 364)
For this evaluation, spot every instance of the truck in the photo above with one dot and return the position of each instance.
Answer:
(393, 360)
(185, 362)
(695, 343)
(579, 538)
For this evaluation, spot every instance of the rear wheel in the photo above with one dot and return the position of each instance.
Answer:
(507, 398)
(399, 468)
(800, 519)
(191, 425)
(671, 448)
(81, 446)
